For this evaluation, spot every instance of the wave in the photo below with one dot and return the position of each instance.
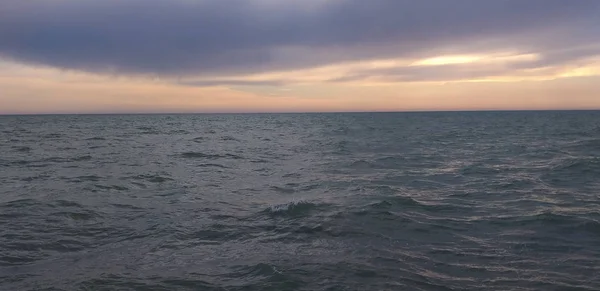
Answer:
(229, 138)
(580, 166)
(574, 173)
(52, 135)
(199, 155)
(396, 162)
(395, 202)
(153, 178)
(552, 222)
(96, 138)
(90, 178)
(82, 158)
(585, 146)
(61, 159)
(111, 187)
(283, 190)
(20, 203)
(260, 270)
(178, 131)
(147, 130)
(22, 149)
(213, 165)
(294, 208)
(77, 215)
(362, 164)
(481, 169)
(67, 203)
(405, 203)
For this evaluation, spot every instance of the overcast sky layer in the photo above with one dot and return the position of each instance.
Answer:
(310, 55)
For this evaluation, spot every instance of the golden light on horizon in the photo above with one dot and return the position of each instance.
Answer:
(43, 89)
(447, 60)
(372, 72)
(490, 58)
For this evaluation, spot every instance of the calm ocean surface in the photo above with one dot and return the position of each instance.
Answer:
(382, 201)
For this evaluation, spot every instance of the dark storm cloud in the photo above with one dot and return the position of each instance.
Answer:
(177, 37)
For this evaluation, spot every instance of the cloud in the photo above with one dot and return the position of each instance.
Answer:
(233, 37)
(43, 90)
(489, 67)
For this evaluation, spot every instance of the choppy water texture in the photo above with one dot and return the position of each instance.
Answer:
(405, 201)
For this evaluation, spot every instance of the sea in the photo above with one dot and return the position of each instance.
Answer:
(337, 201)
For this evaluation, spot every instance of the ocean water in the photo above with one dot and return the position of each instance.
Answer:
(369, 201)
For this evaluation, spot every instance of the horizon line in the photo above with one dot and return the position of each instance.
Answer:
(299, 112)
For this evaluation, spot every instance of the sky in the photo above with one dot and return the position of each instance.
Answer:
(144, 56)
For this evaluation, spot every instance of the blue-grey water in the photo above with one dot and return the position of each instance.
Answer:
(381, 201)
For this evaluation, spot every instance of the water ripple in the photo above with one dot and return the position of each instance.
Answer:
(414, 201)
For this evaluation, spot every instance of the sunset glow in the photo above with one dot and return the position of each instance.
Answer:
(551, 60)
(448, 60)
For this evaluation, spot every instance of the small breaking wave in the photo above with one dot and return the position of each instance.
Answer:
(257, 271)
(294, 208)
